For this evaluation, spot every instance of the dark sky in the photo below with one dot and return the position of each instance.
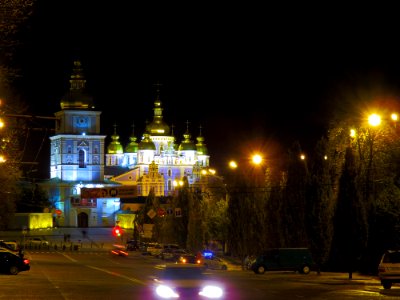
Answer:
(253, 77)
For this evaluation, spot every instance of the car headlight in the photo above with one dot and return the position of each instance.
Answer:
(166, 292)
(211, 292)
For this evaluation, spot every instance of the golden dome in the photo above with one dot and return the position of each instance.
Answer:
(76, 97)
(146, 143)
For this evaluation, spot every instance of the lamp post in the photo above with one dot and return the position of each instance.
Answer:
(247, 175)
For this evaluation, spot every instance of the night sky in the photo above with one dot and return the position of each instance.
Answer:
(254, 78)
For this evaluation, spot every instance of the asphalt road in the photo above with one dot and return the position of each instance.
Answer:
(96, 274)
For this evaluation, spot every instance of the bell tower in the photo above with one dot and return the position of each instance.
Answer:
(77, 148)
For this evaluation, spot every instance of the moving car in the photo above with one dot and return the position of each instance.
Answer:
(284, 259)
(389, 268)
(119, 250)
(12, 263)
(215, 263)
(189, 259)
(186, 281)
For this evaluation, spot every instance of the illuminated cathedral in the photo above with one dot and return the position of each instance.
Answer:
(157, 162)
(88, 185)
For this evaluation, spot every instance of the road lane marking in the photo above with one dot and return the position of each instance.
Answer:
(69, 257)
(118, 275)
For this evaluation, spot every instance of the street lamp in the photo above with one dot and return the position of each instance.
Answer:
(257, 159)
(248, 172)
(374, 120)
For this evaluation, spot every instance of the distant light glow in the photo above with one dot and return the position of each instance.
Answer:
(352, 132)
(302, 157)
(233, 164)
(394, 117)
(177, 183)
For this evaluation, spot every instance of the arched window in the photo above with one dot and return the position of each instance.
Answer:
(81, 159)
(169, 185)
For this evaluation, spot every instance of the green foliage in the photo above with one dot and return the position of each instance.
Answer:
(195, 237)
(320, 205)
(294, 200)
(350, 221)
(13, 15)
(31, 198)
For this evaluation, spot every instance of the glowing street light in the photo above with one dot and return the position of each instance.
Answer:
(256, 159)
(374, 120)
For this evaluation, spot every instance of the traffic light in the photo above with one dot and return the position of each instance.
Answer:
(117, 231)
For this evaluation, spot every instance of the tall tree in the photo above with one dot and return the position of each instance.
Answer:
(320, 204)
(350, 220)
(195, 239)
(294, 199)
(31, 198)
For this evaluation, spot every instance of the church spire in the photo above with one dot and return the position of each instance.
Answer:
(133, 145)
(76, 97)
(115, 146)
(158, 126)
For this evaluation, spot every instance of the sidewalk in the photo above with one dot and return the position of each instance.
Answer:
(93, 239)
(335, 278)
(332, 278)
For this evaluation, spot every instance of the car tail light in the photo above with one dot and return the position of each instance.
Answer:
(26, 261)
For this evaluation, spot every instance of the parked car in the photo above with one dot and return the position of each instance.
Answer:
(154, 249)
(172, 254)
(186, 281)
(12, 246)
(215, 263)
(132, 245)
(389, 268)
(12, 263)
(36, 241)
(284, 259)
(165, 249)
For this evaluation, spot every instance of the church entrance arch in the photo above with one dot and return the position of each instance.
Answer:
(83, 219)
